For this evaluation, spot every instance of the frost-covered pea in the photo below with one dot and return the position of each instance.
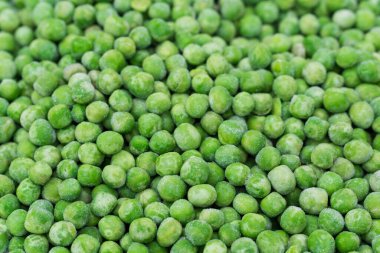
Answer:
(85, 243)
(168, 164)
(244, 203)
(358, 221)
(81, 88)
(187, 137)
(282, 179)
(321, 241)
(194, 171)
(171, 188)
(330, 182)
(111, 227)
(27, 192)
(103, 203)
(77, 213)
(41, 133)
(156, 211)
(313, 200)
(316, 128)
(372, 163)
(301, 106)
(202, 195)
(340, 133)
(110, 142)
(268, 158)
(62, 233)
(69, 189)
(19, 167)
(215, 245)
(305, 177)
(142, 230)
(323, 155)
(357, 151)
(114, 176)
(220, 99)
(343, 168)
(231, 131)
(270, 241)
(258, 185)
(361, 114)
(293, 220)
(243, 104)
(229, 232)
(289, 144)
(371, 204)
(374, 180)
(130, 210)
(335, 100)
(237, 173)
(182, 210)
(198, 232)
(273, 204)
(252, 225)
(15, 222)
(331, 221)
(38, 220)
(314, 73)
(228, 154)
(36, 243)
(347, 241)
(253, 141)
(243, 244)
(169, 232)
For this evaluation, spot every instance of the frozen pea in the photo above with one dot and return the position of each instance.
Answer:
(198, 232)
(194, 171)
(313, 200)
(62, 233)
(252, 225)
(181, 136)
(293, 220)
(273, 204)
(85, 243)
(321, 241)
(202, 195)
(282, 179)
(270, 241)
(331, 221)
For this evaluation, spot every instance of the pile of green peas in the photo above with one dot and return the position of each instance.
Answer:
(185, 126)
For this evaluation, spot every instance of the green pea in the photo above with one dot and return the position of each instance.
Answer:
(269, 241)
(282, 179)
(331, 221)
(293, 220)
(357, 151)
(84, 243)
(301, 106)
(358, 221)
(38, 220)
(321, 241)
(244, 244)
(171, 188)
(198, 232)
(36, 243)
(168, 232)
(246, 226)
(202, 195)
(15, 222)
(313, 200)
